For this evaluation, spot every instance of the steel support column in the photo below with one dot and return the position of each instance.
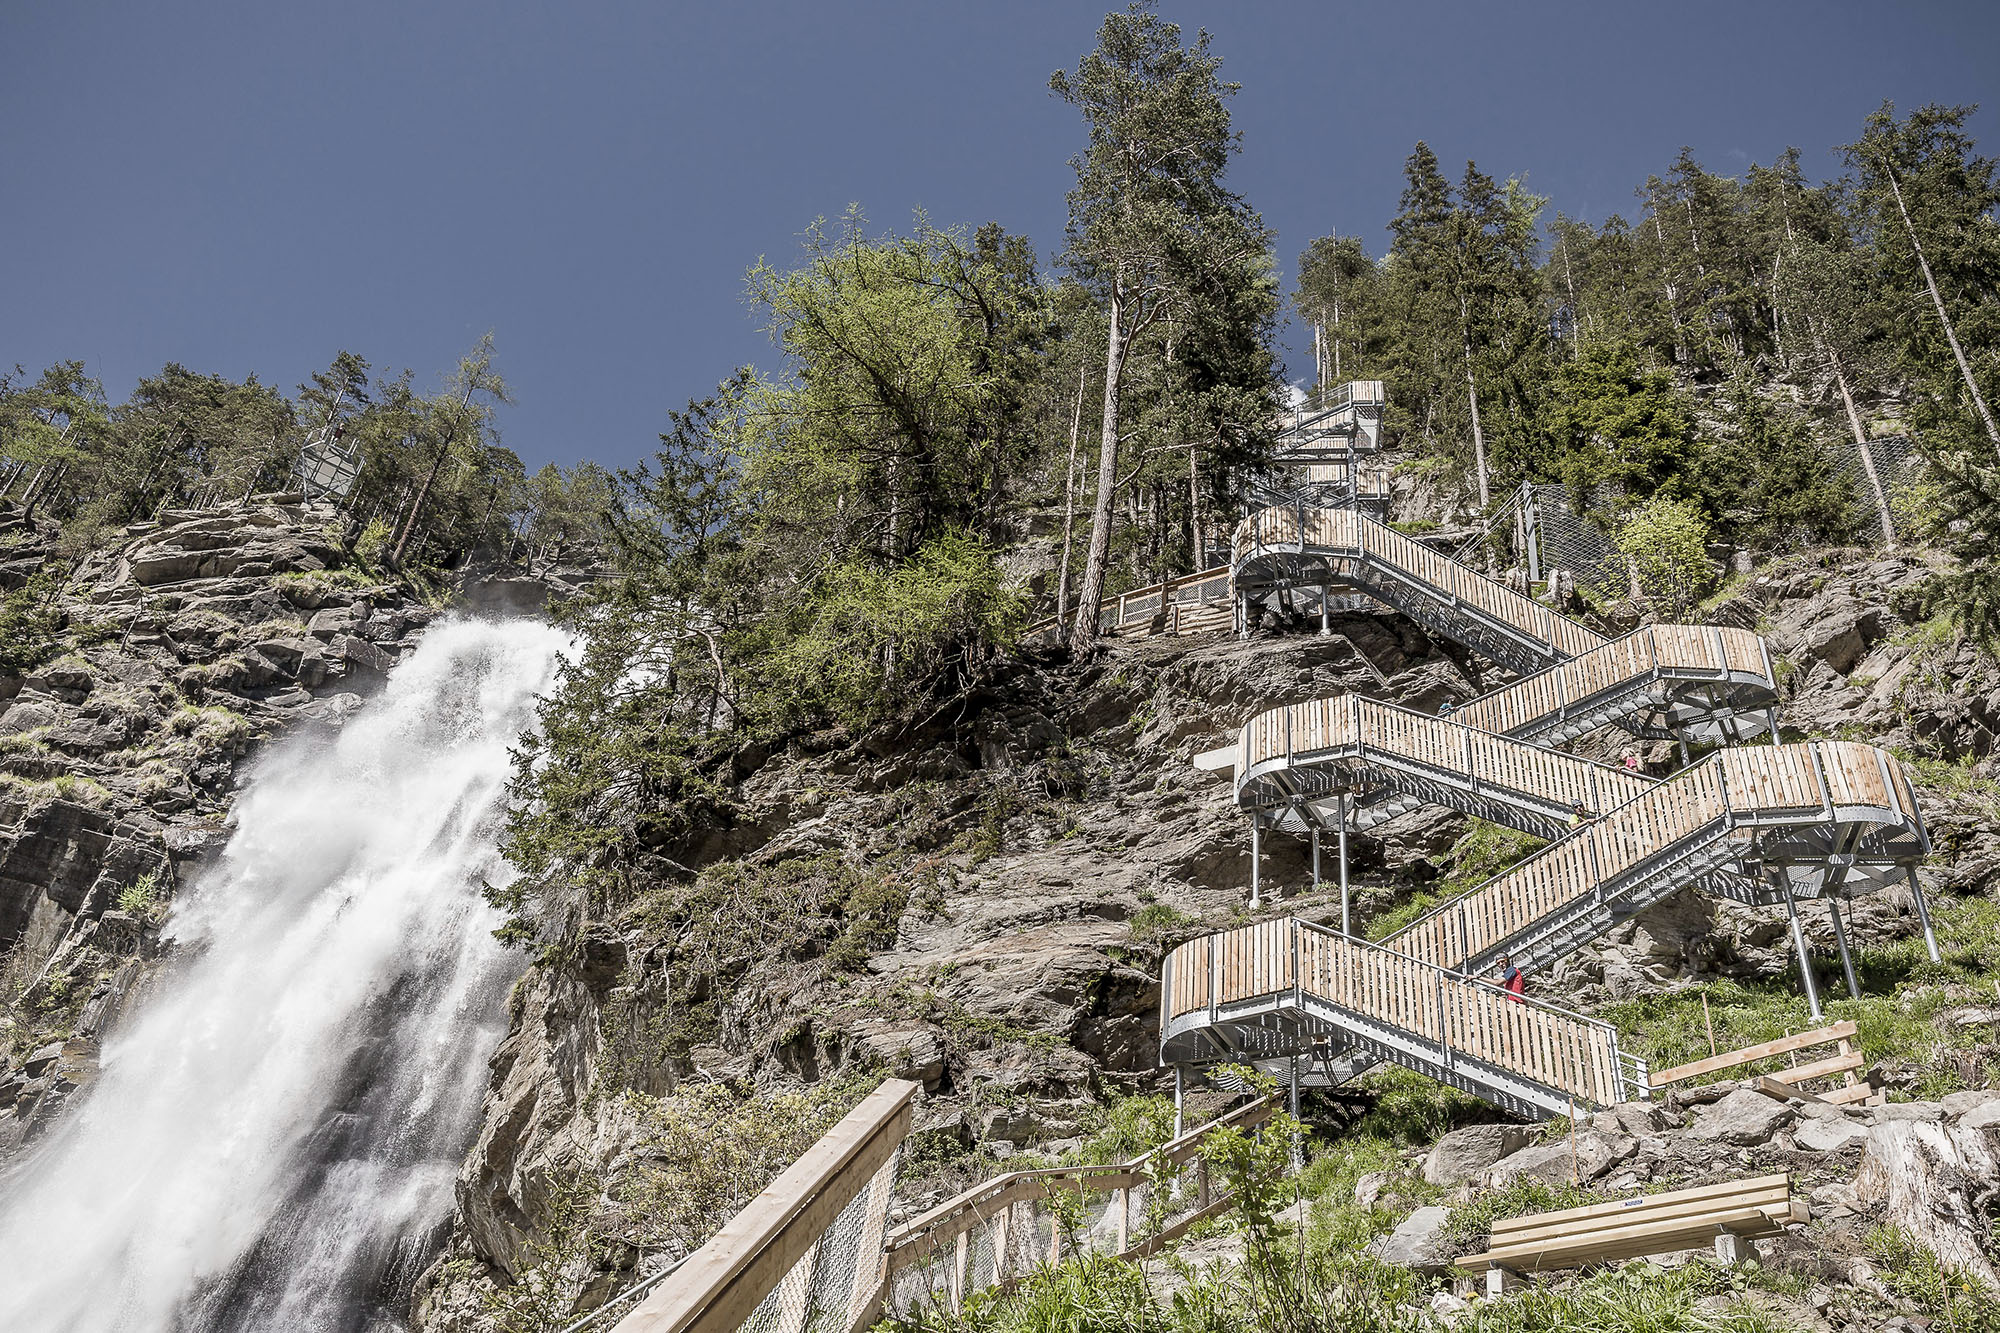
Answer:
(1298, 1148)
(1346, 921)
(1924, 915)
(1784, 883)
(1256, 862)
(1840, 940)
(1325, 623)
(1315, 837)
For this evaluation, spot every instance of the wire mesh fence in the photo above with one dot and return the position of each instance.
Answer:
(832, 1284)
(1888, 474)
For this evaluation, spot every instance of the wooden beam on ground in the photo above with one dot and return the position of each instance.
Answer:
(1763, 1050)
(1647, 1224)
(1771, 1087)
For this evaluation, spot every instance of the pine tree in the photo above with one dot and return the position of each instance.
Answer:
(1153, 230)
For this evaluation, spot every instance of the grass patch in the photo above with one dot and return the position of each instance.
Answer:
(1637, 1296)
(1903, 1015)
(1950, 1298)
(1155, 921)
(1481, 852)
(1470, 1223)
(1411, 1110)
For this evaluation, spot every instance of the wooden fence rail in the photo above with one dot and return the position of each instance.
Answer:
(765, 1260)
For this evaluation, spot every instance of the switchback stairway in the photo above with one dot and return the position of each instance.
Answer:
(1758, 825)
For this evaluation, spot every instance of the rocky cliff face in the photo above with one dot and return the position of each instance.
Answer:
(168, 658)
(1036, 846)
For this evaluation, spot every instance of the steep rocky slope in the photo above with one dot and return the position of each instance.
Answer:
(979, 899)
(148, 680)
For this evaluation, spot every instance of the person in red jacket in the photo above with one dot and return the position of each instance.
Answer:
(1511, 978)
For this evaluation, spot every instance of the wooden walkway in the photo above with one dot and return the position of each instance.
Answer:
(1417, 996)
(1829, 818)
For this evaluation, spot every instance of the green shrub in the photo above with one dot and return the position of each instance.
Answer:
(141, 896)
(1665, 540)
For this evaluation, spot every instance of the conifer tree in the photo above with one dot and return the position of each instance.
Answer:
(1154, 233)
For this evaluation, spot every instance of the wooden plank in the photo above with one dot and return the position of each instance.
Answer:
(1835, 1064)
(1628, 1242)
(1747, 1054)
(1747, 1186)
(1773, 1204)
(1771, 1087)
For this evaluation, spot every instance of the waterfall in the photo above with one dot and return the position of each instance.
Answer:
(273, 1137)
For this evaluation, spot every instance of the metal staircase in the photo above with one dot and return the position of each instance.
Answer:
(1758, 825)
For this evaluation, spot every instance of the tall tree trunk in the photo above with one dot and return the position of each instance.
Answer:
(1666, 280)
(417, 504)
(1478, 435)
(1860, 440)
(1944, 318)
(1069, 497)
(1197, 548)
(1575, 311)
(1083, 632)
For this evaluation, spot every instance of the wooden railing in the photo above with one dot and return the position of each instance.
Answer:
(1639, 656)
(1189, 592)
(770, 1260)
(1347, 534)
(941, 1241)
(1730, 791)
(1398, 738)
(1701, 817)
(1461, 1017)
(1353, 393)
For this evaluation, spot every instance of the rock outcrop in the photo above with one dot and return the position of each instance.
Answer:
(168, 657)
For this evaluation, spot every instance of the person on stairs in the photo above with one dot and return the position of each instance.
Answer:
(1510, 978)
(1579, 815)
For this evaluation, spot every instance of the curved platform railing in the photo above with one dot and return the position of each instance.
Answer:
(1296, 547)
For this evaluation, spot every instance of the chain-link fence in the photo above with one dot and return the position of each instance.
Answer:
(1886, 473)
(782, 1265)
(832, 1285)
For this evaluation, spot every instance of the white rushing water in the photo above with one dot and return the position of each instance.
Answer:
(273, 1138)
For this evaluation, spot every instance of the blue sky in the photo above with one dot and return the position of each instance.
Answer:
(255, 186)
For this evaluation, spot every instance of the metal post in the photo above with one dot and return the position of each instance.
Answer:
(1924, 915)
(1774, 726)
(1784, 884)
(1256, 858)
(1534, 533)
(1180, 1094)
(1315, 856)
(1682, 742)
(1346, 920)
(1840, 939)
(1298, 1147)
(1325, 624)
